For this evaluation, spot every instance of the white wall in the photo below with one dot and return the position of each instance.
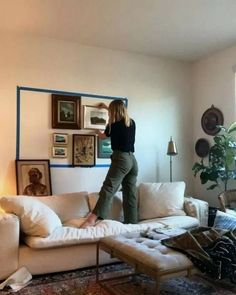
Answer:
(213, 83)
(158, 90)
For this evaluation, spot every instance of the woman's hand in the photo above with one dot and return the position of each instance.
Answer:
(101, 135)
(102, 105)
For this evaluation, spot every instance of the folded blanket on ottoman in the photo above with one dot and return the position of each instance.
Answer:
(212, 251)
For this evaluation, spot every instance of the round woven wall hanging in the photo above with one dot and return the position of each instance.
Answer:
(210, 119)
(202, 147)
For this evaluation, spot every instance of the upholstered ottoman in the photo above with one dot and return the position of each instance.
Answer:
(146, 256)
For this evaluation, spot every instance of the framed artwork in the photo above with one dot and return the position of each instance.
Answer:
(211, 118)
(95, 118)
(66, 111)
(59, 152)
(33, 177)
(104, 148)
(83, 150)
(60, 138)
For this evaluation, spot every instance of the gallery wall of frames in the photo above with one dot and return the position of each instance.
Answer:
(62, 127)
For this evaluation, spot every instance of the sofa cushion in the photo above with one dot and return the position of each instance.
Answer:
(36, 219)
(161, 199)
(225, 221)
(185, 222)
(66, 236)
(67, 206)
(116, 212)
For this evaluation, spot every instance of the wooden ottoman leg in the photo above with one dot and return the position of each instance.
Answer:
(158, 286)
(97, 264)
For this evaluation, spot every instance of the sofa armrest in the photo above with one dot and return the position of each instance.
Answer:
(198, 209)
(9, 245)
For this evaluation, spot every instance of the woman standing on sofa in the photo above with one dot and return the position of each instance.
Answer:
(124, 168)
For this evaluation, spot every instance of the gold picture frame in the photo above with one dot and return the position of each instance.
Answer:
(83, 150)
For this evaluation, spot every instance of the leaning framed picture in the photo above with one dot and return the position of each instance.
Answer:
(59, 152)
(95, 118)
(104, 148)
(83, 150)
(65, 111)
(33, 177)
(60, 138)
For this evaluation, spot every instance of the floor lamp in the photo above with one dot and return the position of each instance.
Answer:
(171, 151)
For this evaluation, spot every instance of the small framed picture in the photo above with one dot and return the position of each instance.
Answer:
(60, 138)
(33, 177)
(59, 152)
(95, 118)
(83, 150)
(104, 148)
(65, 111)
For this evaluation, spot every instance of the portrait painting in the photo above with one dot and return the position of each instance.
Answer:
(33, 177)
(83, 150)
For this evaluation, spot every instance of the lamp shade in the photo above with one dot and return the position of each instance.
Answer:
(171, 150)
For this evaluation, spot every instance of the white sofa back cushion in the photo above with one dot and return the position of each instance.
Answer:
(67, 206)
(161, 199)
(116, 212)
(36, 219)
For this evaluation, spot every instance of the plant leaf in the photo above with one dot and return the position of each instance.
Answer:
(232, 127)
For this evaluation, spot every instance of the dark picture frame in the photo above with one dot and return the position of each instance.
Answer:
(33, 177)
(211, 118)
(66, 111)
(94, 117)
(83, 150)
(104, 148)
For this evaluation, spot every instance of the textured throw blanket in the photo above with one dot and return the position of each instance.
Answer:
(212, 251)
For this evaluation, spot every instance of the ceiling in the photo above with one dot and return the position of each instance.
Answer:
(180, 29)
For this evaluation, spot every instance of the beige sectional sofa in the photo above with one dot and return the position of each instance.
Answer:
(43, 234)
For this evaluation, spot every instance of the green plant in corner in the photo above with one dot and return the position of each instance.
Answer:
(220, 167)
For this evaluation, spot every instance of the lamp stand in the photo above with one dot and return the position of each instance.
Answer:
(170, 168)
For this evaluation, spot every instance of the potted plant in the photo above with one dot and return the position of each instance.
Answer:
(220, 167)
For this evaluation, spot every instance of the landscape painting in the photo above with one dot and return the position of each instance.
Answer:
(95, 118)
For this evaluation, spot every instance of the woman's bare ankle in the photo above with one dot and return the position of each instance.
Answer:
(91, 218)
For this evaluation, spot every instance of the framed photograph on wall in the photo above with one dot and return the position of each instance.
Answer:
(59, 152)
(104, 148)
(60, 138)
(33, 177)
(66, 111)
(83, 150)
(95, 118)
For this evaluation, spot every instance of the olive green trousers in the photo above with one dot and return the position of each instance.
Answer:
(123, 171)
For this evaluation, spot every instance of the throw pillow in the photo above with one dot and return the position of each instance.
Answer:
(161, 199)
(224, 221)
(67, 206)
(36, 219)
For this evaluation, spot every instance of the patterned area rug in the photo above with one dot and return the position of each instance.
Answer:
(83, 282)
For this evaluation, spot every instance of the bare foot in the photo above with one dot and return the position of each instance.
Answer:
(90, 221)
